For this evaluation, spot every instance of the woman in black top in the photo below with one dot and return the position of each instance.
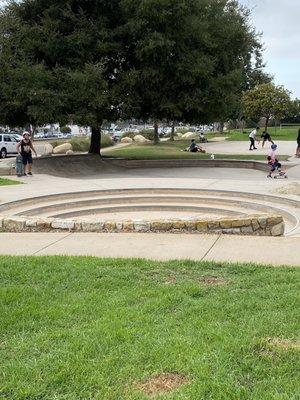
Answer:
(266, 138)
(298, 145)
(25, 148)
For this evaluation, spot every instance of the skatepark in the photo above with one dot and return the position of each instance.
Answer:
(86, 186)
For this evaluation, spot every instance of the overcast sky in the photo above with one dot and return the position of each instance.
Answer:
(279, 20)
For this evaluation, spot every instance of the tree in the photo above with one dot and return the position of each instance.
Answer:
(190, 60)
(267, 101)
(68, 50)
(104, 59)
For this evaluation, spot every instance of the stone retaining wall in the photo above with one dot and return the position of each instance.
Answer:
(261, 225)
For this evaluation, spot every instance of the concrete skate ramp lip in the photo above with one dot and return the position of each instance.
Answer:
(72, 166)
(92, 164)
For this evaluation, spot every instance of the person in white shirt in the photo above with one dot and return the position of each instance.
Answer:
(252, 138)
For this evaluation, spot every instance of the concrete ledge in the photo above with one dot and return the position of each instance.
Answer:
(85, 164)
(98, 163)
(260, 225)
(184, 163)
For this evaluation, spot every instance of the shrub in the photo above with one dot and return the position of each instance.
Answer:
(106, 141)
(65, 129)
(148, 134)
(130, 134)
(82, 144)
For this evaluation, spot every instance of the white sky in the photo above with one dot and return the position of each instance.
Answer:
(279, 21)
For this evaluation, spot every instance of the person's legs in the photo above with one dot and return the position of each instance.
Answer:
(271, 171)
(29, 167)
(251, 144)
(263, 143)
(29, 164)
(24, 156)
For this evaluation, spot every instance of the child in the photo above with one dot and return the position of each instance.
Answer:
(275, 166)
(252, 138)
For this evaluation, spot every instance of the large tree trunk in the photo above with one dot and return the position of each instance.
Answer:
(267, 123)
(222, 127)
(95, 147)
(33, 130)
(156, 135)
(172, 136)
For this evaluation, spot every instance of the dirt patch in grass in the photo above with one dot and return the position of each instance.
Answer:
(161, 384)
(285, 344)
(205, 280)
(214, 281)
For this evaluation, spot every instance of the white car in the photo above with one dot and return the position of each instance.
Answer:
(8, 145)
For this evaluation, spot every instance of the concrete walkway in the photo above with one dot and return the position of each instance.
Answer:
(160, 247)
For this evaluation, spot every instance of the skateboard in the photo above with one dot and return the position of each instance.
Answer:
(19, 166)
(281, 175)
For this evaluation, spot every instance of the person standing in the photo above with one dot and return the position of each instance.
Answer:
(298, 145)
(25, 149)
(266, 138)
(252, 138)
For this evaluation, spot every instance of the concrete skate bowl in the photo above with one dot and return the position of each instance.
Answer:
(148, 204)
(92, 165)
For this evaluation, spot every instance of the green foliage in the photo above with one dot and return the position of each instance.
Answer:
(104, 60)
(65, 129)
(83, 143)
(174, 150)
(131, 135)
(90, 328)
(267, 100)
(8, 182)
(148, 133)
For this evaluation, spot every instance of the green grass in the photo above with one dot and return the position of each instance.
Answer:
(289, 134)
(88, 328)
(7, 182)
(168, 150)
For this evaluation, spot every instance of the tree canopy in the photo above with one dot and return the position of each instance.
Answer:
(267, 101)
(89, 61)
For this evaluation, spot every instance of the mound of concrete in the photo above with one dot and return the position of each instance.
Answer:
(126, 139)
(140, 139)
(190, 135)
(48, 150)
(63, 148)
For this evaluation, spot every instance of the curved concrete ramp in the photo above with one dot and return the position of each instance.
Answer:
(73, 166)
(92, 164)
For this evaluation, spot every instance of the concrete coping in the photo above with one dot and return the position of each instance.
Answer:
(259, 225)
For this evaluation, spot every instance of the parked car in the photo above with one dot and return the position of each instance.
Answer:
(8, 145)
(39, 135)
(17, 136)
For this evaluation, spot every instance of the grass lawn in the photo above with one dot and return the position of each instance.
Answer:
(169, 150)
(289, 134)
(5, 182)
(88, 328)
